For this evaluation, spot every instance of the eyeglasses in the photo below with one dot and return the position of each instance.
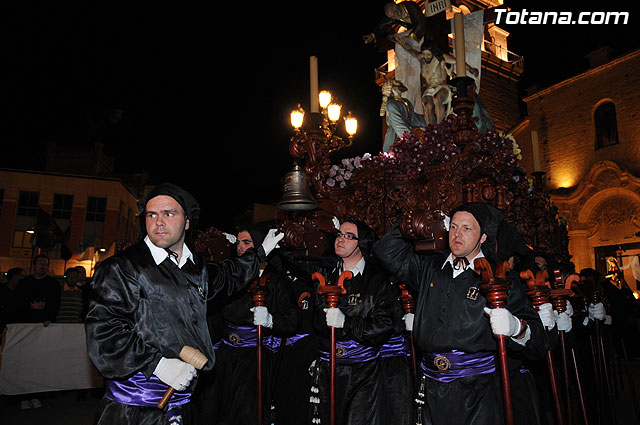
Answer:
(347, 236)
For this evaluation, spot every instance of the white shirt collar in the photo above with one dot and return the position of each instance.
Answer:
(358, 268)
(470, 266)
(160, 254)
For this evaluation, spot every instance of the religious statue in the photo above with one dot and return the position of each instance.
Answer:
(399, 111)
(481, 114)
(418, 28)
(614, 274)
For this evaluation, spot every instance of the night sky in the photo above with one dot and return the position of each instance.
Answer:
(200, 95)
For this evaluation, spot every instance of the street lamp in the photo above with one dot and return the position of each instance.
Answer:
(314, 139)
(326, 121)
(351, 124)
(297, 117)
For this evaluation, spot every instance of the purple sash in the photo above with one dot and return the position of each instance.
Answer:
(296, 338)
(140, 391)
(396, 345)
(274, 342)
(349, 352)
(446, 367)
(239, 336)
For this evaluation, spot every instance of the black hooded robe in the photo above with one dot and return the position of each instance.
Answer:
(235, 373)
(446, 318)
(141, 312)
(368, 307)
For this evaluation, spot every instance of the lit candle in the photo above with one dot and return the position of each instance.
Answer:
(458, 26)
(313, 71)
(536, 150)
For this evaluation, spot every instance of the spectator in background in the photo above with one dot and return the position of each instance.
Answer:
(8, 298)
(71, 305)
(38, 294)
(82, 276)
(38, 301)
(85, 288)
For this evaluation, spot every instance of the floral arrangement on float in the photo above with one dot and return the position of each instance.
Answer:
(416, 154)
(340, 174)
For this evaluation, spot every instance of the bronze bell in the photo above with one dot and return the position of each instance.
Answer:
(296, 195)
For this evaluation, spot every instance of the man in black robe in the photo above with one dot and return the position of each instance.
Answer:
(396, 375)
(148, 302)
(451, 329)
(235, 374)
(363, 321)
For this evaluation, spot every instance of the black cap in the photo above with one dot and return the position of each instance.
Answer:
(185, 199)
(256, 232)
(489, 218)
(366, 237)
(510, 243)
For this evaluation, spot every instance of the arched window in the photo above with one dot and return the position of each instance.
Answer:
(604, 118)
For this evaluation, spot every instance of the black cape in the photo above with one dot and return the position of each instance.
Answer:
(447, 319)
(141, 312)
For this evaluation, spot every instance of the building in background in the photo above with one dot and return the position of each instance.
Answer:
(584, 134)
(76, 218)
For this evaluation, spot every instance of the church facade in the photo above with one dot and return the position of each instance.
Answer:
(584, 134)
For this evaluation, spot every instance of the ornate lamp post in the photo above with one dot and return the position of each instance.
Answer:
(315, 137)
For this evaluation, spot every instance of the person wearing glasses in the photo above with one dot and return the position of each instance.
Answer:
(363, 321)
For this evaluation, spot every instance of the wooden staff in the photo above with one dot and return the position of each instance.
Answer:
(190, 355)
(579, 382)
(569, 284)
(258, 291)
(332, 296)
(596, 298)
(409, 306)
(495, 291)
(539, 294)
(558, 295)
(582, 298)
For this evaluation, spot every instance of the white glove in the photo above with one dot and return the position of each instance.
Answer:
(408, 321)
(447, 220)
(596, 311)
(563, 320)
(231, 238)
(175, 373)
(607, 319)
(503, 322)
(335, 318)
(336, 222)
(271, 241)
(262, 317)
(546, 316)
(569, 310)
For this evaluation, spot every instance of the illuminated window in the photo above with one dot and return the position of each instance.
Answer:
(606, 125)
